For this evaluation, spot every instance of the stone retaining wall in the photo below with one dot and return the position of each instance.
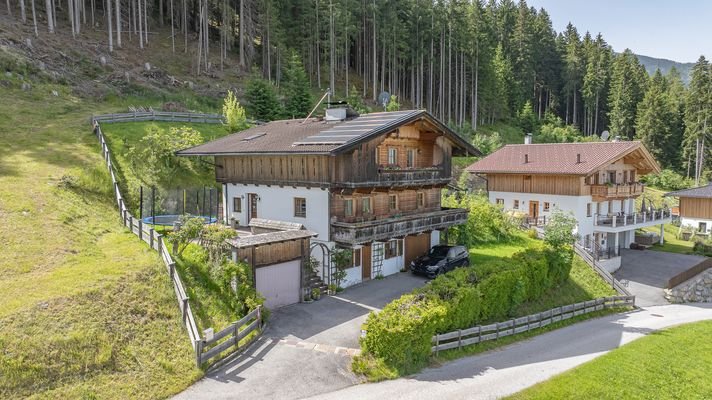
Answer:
(696, 289)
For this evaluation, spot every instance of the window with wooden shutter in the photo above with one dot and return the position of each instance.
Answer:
(300, 207)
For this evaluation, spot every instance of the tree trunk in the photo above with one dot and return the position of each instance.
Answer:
(70, 12)
(23, 14)
(118, 23)
(332, 50)
(140, 23)
(145, 22)
(9, 8)
(185, 25)
(34, 18)
(242, 34)
(173, 33)
(108, 18)
(375, 59)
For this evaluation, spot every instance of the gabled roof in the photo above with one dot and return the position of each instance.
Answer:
(702, 192)
(562, 158)
(315, 136)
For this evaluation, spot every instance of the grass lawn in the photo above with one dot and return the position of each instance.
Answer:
(672, 243)
(509, 134)
(121, 136)
(675, 363)
(86, 309)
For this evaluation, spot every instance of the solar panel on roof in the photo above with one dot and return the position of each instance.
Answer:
(348, 130)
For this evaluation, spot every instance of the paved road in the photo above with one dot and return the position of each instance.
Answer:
(306, 349)
(508, 370)
(648, 272)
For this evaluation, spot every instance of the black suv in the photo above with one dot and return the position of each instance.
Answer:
(440, 259)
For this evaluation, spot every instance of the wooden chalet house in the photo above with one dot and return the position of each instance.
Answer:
(695, 208)
(370, 183)
(597, 182)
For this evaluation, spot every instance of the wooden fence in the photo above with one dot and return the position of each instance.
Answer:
(156, 241)
(465, 337)
(160, 116)
(683, 276)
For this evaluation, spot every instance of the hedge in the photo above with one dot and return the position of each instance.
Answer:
(400, 334)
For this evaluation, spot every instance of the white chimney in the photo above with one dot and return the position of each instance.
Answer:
(335, 114)
(617, 138)
(528, 138)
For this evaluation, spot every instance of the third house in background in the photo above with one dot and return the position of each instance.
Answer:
(597, 182)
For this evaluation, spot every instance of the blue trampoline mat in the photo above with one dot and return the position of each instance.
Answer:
(169, 220)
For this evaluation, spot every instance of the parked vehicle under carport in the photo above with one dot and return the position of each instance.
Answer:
(440, 259)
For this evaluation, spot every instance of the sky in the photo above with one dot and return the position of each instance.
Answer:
(677, 30)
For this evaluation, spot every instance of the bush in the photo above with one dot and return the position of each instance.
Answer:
(235, 119)
(667, 180)
(401, 333)
(485, 221)
(399, 337)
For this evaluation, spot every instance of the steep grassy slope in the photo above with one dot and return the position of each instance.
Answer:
(86, 310)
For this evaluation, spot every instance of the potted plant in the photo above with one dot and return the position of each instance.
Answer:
(332, 288)
(307, 297)
(316, 293)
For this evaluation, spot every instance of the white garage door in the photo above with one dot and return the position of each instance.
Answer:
(279, 283)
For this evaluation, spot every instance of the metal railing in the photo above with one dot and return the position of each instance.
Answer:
(625, 219)
(605, 275)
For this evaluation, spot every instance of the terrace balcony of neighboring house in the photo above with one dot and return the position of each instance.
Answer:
(620, 222)
(355, 230)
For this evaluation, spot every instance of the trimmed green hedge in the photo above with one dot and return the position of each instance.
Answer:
(400, 335)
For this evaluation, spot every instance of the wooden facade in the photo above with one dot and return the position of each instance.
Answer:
(407, 202)
(692, 207)
(273, 253)
(421, 157)
(568, 185)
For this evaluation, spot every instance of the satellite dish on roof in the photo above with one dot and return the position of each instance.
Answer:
(383, 99)
(605, 135)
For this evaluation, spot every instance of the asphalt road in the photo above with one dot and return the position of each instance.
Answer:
(507, 370)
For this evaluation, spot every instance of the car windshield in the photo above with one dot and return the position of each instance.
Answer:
(439, 252)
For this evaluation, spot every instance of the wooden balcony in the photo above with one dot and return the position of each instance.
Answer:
(395, 177)
(389, 228)
(614, 191)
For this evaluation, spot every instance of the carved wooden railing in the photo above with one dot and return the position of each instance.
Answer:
(388, 228)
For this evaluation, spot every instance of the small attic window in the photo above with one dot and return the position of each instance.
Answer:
(254, 136)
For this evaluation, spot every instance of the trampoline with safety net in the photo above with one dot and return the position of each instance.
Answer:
(166, 207)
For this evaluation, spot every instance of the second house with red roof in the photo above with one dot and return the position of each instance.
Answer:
(598, 182)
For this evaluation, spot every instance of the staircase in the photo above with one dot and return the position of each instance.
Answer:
(312, 280)
(378, 250)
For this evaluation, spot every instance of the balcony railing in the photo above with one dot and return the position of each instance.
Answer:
(404, 177)
(618, 220)
(617, 190)
(389, 228)
(597, 251)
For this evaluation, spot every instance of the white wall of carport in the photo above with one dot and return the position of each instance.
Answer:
(695, 222)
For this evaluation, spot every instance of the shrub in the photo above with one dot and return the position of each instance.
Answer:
(532, 233)
(401, 333)
(399, 337)
(485, 221)
(667, 180)
(235, 119)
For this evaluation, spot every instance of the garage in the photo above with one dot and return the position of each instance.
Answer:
(276, 259)
(279, 283)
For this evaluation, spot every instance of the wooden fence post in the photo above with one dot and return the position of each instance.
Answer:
(198, 352)
(437, 345)
(185, 309)
(459, 338)
(151, 233)
(131, 223)
(172, 269)
(140, 229)
(259, 318)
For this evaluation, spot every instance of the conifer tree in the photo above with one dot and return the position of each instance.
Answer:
(262, 100)
(296, 89)
(655, 119)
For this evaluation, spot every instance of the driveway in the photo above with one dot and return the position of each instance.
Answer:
(306, 349)
(507, 370)
(648, 272)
